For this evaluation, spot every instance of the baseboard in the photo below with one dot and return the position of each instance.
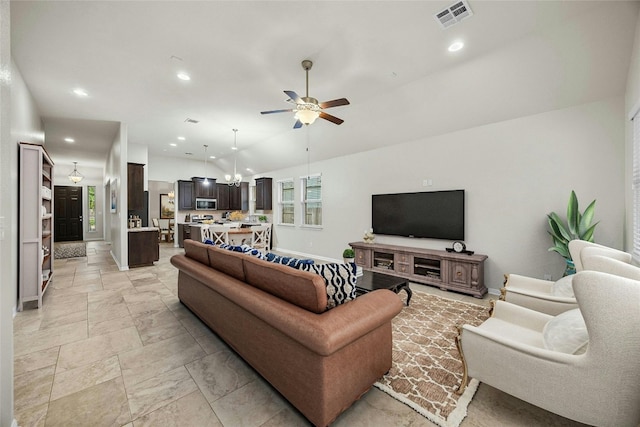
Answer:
(493, 291)
(14, 423)
(14, 311)
(120, 268)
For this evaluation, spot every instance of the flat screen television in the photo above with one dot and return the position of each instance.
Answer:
(428, 214)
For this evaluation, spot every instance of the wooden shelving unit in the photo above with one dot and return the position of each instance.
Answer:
(446, 270)
(35, 262)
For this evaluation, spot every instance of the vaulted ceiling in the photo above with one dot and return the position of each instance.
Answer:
(389, 58)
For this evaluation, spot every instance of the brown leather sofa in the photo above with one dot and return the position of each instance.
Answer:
(275, 318)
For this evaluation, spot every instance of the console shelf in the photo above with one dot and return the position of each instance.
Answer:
(446, 270)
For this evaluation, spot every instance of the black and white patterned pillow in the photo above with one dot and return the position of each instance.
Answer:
(288, 261)
(340, 280)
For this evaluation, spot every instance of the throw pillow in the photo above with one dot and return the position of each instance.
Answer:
(566, 333)
(250, 250)
(339, 279)
(563, 287)
(289, 261)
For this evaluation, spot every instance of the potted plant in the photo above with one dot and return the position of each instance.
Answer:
(348, 255)
(577, 226)
(262, 218)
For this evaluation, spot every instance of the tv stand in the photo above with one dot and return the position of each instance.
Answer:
(446, 270)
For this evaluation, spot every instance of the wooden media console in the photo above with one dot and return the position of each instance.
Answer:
(447, 270)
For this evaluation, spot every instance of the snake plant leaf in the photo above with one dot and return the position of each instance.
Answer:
(562, 250)
(573, 213)
(587, 218)
(558, 227)
(588, 234)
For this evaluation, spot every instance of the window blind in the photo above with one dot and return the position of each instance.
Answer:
(636, 187)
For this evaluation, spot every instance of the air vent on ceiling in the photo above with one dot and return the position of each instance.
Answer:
(454, 14)
(194, 121)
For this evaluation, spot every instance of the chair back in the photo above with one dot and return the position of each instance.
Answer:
(154, 221)
(260, 236)
(576, 248)
(217, 234)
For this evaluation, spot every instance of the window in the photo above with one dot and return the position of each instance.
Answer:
(91, 191)
(312, 200)
(286, 201)
(636, 186)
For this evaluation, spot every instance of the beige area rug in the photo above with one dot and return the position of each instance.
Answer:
(427, 368)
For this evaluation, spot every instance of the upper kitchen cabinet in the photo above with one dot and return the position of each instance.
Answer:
(263, 193)
(186, 195)
(135, 186)
(222, 197)
(205, 188)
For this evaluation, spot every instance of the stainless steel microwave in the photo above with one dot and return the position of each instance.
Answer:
(206, 204)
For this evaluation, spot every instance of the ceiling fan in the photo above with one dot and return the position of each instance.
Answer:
(308, 109)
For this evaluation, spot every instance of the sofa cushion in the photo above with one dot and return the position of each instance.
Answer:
(227, 262)
(197, 251)
(340, 281)
(297, 287)
(563, 287)
(285, 260)
(566, 333)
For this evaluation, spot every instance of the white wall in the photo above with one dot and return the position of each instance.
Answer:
(632, 103)
(172, 169)
(116, 178)
(155, 189)
(514, 173)
(19, 121)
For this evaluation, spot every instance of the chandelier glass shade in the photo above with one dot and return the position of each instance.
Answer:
(75, 176)
(236, 178)
(206, 180)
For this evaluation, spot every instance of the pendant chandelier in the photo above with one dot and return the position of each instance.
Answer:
(75, 176)
(236, 178)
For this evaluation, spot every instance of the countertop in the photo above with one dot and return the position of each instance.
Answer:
(135, 230)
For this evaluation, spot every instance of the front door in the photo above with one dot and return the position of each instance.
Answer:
(67, 215)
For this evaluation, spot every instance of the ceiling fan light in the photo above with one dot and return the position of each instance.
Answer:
(307, 117)
(227, 177)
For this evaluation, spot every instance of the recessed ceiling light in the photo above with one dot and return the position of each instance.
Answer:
(173, 144)
(249, 170)
(212, 157)
(70, 140)
(182, 138)
(183, 76)
(456, 46)
(80, 92)
(234, 148)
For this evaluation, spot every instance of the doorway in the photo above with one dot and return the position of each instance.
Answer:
(67, 215)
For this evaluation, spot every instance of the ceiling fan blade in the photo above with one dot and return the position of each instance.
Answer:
(331, 118)
(334, 103)
(294, 96)
(276, 111)
(298, 124)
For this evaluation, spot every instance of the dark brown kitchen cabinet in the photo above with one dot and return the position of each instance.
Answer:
(205, 188)
(222, 197)
(233, 198)
(143, 247)
(263, 193)
(239, 197)
(135, 186)
(186, 196)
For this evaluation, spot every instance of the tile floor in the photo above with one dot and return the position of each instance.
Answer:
(112, 348)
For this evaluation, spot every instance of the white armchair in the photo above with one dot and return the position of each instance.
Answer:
(578, 249)
(557, 297)
(600, 387)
